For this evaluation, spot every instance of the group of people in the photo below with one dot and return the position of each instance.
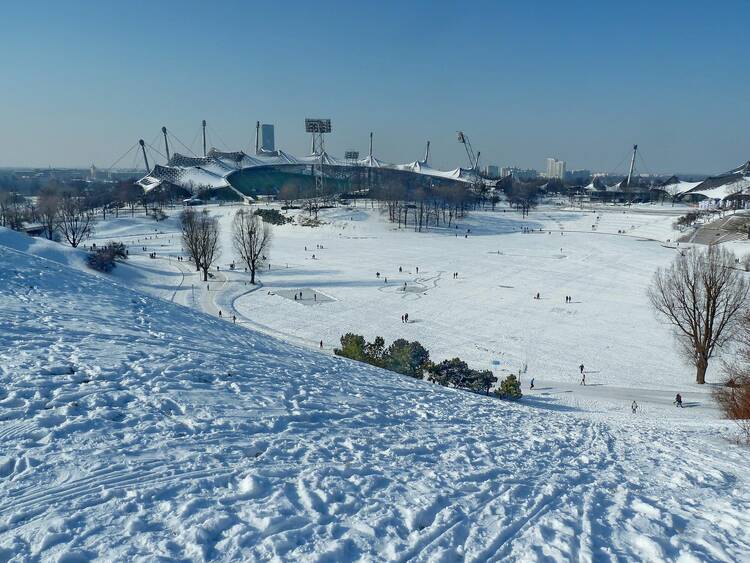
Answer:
(234, 317)
(568, 299)
(405, 318)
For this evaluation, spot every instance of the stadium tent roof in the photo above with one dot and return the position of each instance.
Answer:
(212, 170)
(725, 185)
(674, 186)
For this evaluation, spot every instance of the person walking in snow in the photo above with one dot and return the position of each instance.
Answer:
(234, 319)
(321, 344)
(581, 368)
(406, 317)
(219, 312)
(402, 318)
(531, 386)
(678, 401)
(634, 407)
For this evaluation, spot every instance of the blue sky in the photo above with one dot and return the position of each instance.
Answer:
(582, 81)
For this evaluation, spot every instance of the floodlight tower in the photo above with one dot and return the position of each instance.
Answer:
(427, 153)
(145, 158)
(257, 136)
(632, 165)
(204, 138)
(352, 159)
(317, 128)
(166, 142)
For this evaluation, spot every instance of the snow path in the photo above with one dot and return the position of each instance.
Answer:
(132, 427)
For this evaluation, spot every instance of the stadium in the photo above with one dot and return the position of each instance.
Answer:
(268, 173)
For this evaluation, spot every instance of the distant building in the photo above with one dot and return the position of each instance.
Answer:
(492, 170)
(555, 168)
(92, 172)
(267, 142)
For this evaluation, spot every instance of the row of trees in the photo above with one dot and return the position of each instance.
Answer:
(413, 359)
(67, 210)
(251, 239)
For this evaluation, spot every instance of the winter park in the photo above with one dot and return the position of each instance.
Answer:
(331, 339)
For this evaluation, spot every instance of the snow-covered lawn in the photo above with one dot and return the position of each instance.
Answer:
(132, 427)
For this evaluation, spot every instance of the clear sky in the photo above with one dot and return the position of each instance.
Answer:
(82, 81)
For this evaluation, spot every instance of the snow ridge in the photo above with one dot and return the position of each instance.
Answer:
(132, 427)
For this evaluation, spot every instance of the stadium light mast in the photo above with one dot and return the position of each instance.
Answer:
(632, 164)
(257, 136)
(464, 140)
(204, 138)
(166, 142)
(317, 128)
(427, 153)
(370, 145)
(145, 158)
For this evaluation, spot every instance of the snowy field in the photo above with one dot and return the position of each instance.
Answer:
(134, 428)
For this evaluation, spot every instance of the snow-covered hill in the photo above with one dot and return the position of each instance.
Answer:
(132, 428)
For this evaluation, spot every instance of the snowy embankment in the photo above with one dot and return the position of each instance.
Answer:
(133, 427)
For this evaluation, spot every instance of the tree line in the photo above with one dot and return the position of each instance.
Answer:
(412, 359)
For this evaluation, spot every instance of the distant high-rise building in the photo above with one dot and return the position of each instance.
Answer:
(492, 171)
(555, 168)
(92, 172)
(267, 142)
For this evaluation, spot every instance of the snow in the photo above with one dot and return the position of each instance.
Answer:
(723, 191)
(133, 427)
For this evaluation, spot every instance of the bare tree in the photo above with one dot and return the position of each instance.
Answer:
(200, 235)
(76, 222)
(702, 296)
(208, 228)
(188, 223)
(11, 210)
(733, 396)
(48, 211)
(251, 238)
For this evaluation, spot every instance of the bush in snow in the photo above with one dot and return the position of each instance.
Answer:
(352, 347)
(104, 258)
(413, 359)
(457, 373)
(733, 396)
(510, 388)
(409, 358)
(273, 216)
(402, 356)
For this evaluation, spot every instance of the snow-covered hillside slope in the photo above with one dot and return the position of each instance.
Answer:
(132, 428)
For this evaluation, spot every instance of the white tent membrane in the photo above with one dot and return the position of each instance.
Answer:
(212, 171)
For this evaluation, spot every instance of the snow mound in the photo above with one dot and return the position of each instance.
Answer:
(134, 428)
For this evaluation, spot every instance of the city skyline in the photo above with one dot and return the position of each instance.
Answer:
(525, 84)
